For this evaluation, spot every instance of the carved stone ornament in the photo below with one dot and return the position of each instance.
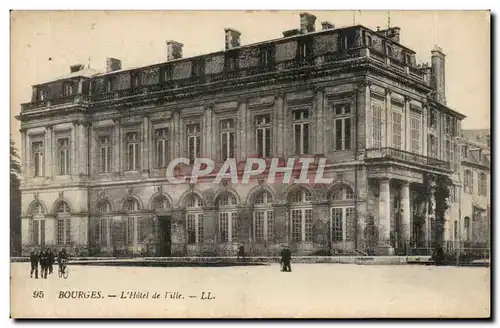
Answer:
(191, 186)
(261, 181)
(36, 195)
(61, 194)
(130, 190)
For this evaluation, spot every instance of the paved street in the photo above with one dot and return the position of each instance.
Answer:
(311, 290)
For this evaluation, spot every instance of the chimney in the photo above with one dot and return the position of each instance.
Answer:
(393, 33)
(113, 64)
(232, 38)
(426, 71)
(327, 26)
(174, 50)
(438, 74)
(307, 22)
(76, 68)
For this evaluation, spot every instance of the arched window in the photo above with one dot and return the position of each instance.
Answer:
(263, 221)
(194, 201)
(36, 208)
(194, 219)
(100, 228)
(38, 224)
(63, 224)
(131, 205)
(228, 230)
(342, 211)
(160, 203)
(343, 193)
(301, 215)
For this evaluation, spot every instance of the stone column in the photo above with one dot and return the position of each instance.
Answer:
(278, 134)
(320, 122)
(368, 117)
(177, 135)
(388, 119)
(385, 216)
(243, 126)
(146, 136)
(210, 235)
(117, 149)
(47, 166)
(280, 223)
(74, 149)
(321, 218)
(178, 232)
(24, 152)
(424, 131)
(406, 215)
(407, 116)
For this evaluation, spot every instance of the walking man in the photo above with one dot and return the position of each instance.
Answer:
(44, 263)
(51, 259)
(286, 257)
(34, 258)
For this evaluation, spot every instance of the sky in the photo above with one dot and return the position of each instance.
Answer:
(139, 38)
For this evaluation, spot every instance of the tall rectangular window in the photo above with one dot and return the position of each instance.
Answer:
(37, 152)
(105, 154)
(447, 151)
(415, 133)
(38, 232)
(396, 129)
(103, 231)
(467, 228)
(337, 224)
(131, 231)
(483, 184)
(377, 126)
(195, 228)
(162, 147)
(468, 181)
(455, 230)
(433, 146)
(194, 141)
(263, 135)
(132, 139)
(63, 154)
(342, 126)
(63, 231)
(301, 131)
(227, 227)
(227, 139)
(296, 225)
(302, 224)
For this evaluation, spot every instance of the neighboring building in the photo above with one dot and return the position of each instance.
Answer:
(95, 147)
(472, 226)
(482, 136)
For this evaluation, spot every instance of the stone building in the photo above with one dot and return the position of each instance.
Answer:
(471, 229)
(95, 146)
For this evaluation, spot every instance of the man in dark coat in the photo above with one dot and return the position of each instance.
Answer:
(286, 257)
(44, 262)
(34, 258)
(241, 252)
(51, 260)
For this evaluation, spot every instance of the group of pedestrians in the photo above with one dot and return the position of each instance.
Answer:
(46, 259)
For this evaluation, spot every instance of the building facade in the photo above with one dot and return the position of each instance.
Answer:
(472, 227)
(95, 147)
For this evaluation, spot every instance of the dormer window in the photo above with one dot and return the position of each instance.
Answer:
(343, 43)
(389, 51)
(369, 41)
(42, 95)
(67, 90)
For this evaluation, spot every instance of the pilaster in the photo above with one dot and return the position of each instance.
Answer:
(385, 216)
(388, 118)
(319, 114)
(281, 228)
(244, 127)
(406, 215)
(117, 142)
